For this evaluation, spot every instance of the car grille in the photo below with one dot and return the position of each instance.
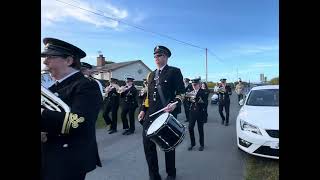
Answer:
(266, 150)
(273, 133)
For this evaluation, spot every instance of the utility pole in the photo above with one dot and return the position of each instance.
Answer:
(206, 65)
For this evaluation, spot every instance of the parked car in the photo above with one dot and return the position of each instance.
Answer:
(257, 123)
(214, 99)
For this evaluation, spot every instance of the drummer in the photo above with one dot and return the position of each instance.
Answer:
(165, 86)
(197, 113)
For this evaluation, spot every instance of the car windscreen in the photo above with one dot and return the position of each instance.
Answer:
(263, 97)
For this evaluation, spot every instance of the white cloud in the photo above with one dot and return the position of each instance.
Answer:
(254, 49)
(53, 11)
(263, 65)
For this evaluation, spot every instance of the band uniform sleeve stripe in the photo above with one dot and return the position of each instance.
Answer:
(63, 130)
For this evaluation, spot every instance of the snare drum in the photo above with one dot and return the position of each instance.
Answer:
(166, 131)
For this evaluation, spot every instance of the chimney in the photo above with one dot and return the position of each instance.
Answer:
(100, 60)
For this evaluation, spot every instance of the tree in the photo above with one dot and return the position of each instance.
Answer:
(274, 81)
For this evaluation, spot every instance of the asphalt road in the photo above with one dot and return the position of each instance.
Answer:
(123, 157)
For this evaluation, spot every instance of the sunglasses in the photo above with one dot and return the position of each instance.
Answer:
(158, 55)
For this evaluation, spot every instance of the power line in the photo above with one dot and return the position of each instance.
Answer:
(114, 19)
(213, 54)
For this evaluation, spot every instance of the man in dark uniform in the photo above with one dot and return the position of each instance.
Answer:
(69, 150)
(197, 113)
(186, 102)
(86, 70)
(224, 91)
(129, 105)
(143, 93)
(112, 101)
(165, 86)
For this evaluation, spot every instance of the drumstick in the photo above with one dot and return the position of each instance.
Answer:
(162, 109)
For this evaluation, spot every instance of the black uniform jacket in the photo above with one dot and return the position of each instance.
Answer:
(198, 105)
(171, 82)
(224, 96)
(113, 98)
(130, 97)
(71, 144)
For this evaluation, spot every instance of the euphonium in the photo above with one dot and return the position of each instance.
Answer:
(48, 99)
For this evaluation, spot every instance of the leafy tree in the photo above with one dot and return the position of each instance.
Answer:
(274, 81)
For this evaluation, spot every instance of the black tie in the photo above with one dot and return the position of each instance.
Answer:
(159, 72)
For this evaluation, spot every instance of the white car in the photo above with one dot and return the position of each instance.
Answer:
(258, 122)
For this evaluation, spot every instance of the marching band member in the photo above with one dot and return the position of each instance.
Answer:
(186, 103)
(204, 86)
(86, 70)
(129, 105)
(224, 92)
(111, 99)
(69, 150)
(197, 113)
(143, 93)
(165, 85)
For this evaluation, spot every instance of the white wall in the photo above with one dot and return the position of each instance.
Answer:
(137, 70)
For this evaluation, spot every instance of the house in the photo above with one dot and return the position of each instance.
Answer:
(105, 71)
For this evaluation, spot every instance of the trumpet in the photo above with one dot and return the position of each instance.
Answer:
(143, 91)
(111, 87)
(191, 96)
(122, 89)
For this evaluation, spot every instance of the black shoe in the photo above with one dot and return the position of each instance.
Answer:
(222, 122)
(190, 148)
(170, 178)
(201, 148)
(227, 123)
(156, 178)
(112, 131)
(130, 132)
(125, 132)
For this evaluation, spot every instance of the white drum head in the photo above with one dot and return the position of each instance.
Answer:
(156, 124)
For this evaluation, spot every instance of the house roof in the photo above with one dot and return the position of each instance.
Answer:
(114, 66)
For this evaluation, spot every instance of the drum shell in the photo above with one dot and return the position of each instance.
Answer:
(169, 135)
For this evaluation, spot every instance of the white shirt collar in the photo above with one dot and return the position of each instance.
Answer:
(162, 67)
(72, 73)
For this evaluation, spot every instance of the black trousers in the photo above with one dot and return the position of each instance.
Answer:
(240, 96)
(186, 105)
(150, 152)
(64, 176)
(113, 108)
(127, 109)
(206, 115)
(225, 105)
(196, 117)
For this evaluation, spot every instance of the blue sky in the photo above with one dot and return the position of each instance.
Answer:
(242, 36)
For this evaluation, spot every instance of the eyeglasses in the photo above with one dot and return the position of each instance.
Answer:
(56, 56)
(158, 55)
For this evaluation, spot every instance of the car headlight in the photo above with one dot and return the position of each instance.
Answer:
(245, 126)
